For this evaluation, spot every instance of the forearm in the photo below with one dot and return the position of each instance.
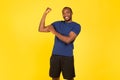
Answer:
(42, 23)
(67, 39)
(63, 38)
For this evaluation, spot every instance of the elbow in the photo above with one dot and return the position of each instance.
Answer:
(40, 30)
(67, 41)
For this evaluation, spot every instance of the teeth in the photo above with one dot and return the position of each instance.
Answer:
(66, 17)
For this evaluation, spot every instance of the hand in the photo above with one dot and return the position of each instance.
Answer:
(51, 29)
(47, 10)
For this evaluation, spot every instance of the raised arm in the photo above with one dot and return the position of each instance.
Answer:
(42, 27)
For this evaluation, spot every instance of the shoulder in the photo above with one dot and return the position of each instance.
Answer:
(57, 23)
(76, 25)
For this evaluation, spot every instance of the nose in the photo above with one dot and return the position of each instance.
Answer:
(65, 14)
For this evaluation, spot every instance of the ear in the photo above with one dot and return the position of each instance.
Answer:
(72, 13)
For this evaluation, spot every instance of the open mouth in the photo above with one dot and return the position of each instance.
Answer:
(66, 17)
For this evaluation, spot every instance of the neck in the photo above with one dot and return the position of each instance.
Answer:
(69, 21)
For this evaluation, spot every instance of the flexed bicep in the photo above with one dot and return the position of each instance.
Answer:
(45, 29)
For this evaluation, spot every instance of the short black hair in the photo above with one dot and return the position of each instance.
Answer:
(68, 8)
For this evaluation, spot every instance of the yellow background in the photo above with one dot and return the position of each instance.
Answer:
(25, 52)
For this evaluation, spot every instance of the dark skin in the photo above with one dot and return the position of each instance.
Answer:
(67, 15)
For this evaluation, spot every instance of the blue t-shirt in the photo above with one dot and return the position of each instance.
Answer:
(64, 28)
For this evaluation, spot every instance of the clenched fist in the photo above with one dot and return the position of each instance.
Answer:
(47, 10)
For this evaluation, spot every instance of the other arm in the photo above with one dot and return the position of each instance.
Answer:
(67, 39)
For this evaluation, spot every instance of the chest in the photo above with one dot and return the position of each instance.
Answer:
(64, 29)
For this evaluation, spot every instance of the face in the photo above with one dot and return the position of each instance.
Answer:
(67, 15)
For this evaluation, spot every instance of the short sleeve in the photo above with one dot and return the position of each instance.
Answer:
(54, 24)
(76, 29)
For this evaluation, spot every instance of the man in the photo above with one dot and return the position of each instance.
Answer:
(62, 59)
